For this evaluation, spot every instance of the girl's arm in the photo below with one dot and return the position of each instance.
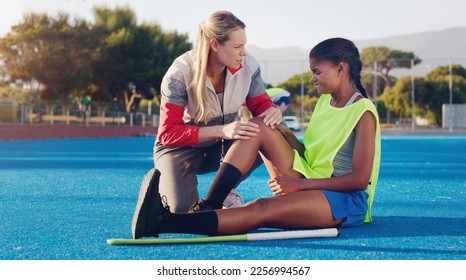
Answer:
(358, 179)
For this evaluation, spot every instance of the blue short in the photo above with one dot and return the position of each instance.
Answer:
(351, 206)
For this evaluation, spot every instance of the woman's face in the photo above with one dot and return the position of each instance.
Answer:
(231, 52)
(325, 75)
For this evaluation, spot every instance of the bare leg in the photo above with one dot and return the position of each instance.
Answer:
(270, 143)
(306, 209)
(269, 166)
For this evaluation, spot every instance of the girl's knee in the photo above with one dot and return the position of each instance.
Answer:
(260, 122)
(257, 120)
(259, 205)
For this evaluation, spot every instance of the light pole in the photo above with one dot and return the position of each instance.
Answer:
(375, 84)
(302, 92)
(412, 95)
(450, 91)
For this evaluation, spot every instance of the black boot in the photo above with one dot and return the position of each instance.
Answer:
(150, 212)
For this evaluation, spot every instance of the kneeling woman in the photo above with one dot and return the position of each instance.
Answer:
(327, 181)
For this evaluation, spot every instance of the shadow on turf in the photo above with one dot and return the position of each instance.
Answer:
(403, 226)
(391, 227)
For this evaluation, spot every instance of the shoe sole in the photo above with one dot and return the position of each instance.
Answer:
(233, 200)
(140, 217)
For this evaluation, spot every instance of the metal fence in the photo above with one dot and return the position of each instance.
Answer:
(10, 112)
(454, 116)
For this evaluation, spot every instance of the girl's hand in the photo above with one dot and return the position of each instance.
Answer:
(243, 130)
(284, 184)
(272, 116)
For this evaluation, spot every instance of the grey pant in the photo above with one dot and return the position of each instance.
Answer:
(179, 167)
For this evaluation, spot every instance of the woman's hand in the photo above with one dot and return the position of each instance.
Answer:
(243, 130)
(284, 184)
(272, 116)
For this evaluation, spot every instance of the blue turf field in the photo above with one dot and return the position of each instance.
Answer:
(61, 199)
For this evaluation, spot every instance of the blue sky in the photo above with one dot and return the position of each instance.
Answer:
(271, 23)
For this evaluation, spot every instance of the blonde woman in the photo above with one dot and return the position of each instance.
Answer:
(201, 94)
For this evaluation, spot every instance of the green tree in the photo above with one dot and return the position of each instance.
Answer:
(443, 72)
(115, 62)
(132, 55)
(430, 93)
(435, 91)
(398, 98)
(387, 60)
(50, 51)
(367, 81)
(64, 60)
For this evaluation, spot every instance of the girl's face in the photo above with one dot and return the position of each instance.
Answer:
(325, 75)
(231, 52)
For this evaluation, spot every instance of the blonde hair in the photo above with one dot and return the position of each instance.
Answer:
(218, 26)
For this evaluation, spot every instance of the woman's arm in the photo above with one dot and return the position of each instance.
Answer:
(358, 179)
(172, 129)
(174, 132)
(238, 130)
